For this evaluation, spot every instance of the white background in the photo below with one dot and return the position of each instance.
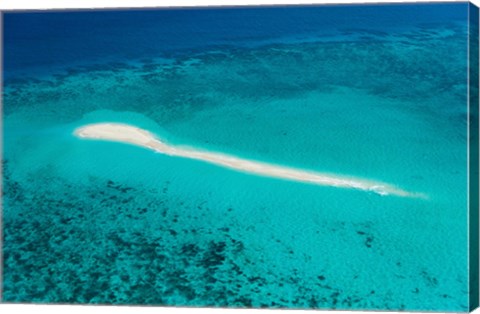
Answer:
(49, 4)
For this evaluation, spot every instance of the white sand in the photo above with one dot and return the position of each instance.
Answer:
(132, 135)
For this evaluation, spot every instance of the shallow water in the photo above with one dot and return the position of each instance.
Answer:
(100, 222)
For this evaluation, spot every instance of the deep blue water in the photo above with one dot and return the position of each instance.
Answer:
(377, 92)
(47, 39)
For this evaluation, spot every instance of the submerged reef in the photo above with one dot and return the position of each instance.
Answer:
(397, 66)
(109, 242)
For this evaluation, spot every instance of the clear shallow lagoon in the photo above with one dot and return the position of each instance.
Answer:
(375, 92)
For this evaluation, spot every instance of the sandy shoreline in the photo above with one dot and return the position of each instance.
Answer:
(132, 135)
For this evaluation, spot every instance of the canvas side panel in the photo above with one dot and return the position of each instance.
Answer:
(473, 103)
(1, 156)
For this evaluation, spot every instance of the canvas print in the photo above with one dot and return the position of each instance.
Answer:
(308, 157)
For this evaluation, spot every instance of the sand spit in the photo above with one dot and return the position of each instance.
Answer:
(132, 135)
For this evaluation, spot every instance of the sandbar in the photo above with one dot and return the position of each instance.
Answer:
(129, 134)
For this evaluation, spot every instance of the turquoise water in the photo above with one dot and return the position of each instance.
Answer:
(109, 223)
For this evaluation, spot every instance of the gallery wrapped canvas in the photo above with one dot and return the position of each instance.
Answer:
(309, 157)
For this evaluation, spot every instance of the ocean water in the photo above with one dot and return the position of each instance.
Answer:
(375, 91)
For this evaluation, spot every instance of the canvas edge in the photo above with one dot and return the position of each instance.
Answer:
(1, 151)
(473, 156)
(237, 6)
